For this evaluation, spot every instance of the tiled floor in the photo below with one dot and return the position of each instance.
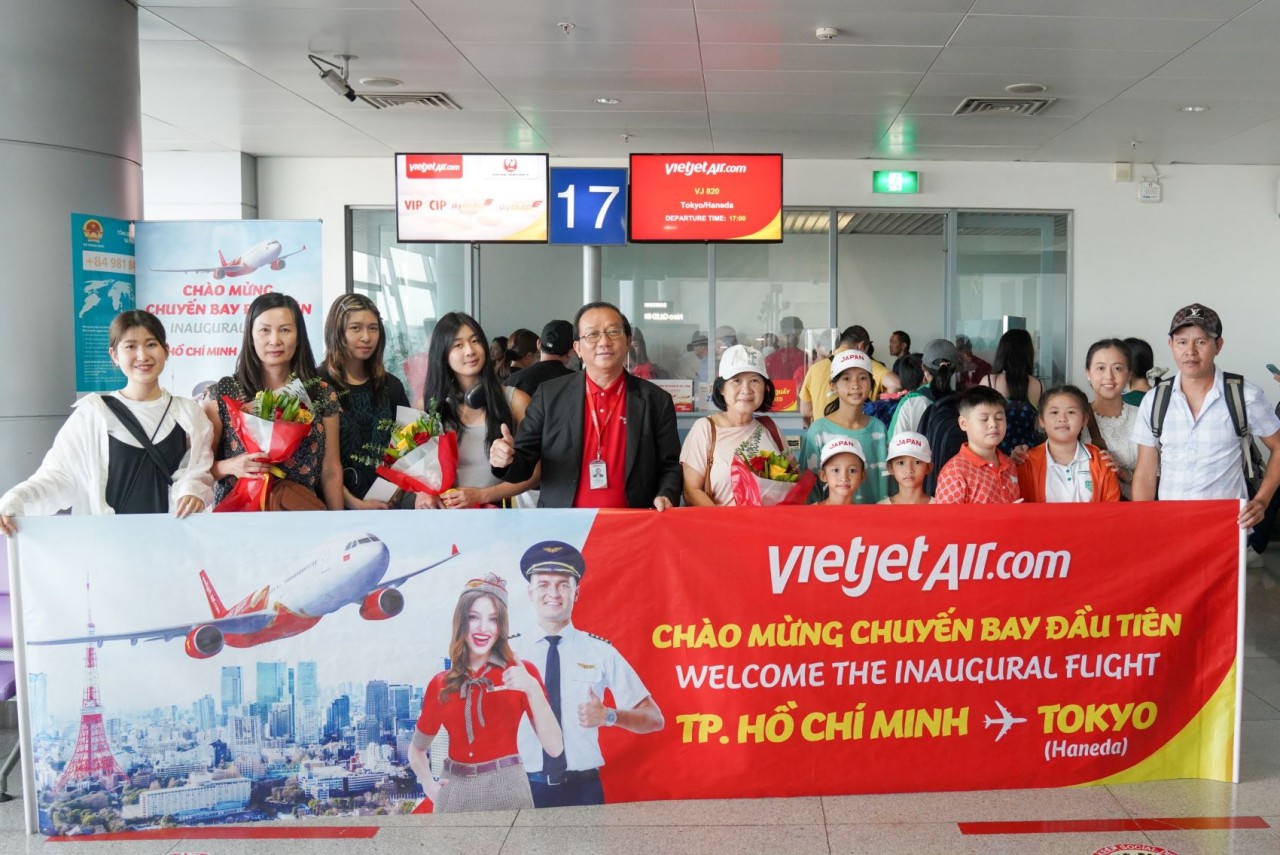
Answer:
(847, 825)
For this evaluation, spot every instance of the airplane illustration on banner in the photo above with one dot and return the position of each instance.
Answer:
(1005, 721)
(265, 254)
(340, 573)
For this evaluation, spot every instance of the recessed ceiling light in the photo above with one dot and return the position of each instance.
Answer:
(609, 101)
(1025, 88)
(1194, 108)
(380, 82)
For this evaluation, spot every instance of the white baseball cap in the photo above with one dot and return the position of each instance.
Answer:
(842, 445)
(851, 358)
(910, 444)
(740, 359)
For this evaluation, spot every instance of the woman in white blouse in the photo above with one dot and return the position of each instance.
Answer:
(1110, 366)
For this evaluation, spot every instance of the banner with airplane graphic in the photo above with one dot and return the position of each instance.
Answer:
(200, 276)
(245, 668)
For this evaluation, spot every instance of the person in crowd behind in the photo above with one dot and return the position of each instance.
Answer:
(910, 371)
(741, 390)
(555, 343)
(980, 474)
(726, 337)
(98, 463)
(973, 368)
(1142, 370)
(274, 350)
(844, 416)
(1015, 379)
(788, 359)
(621, 451)
(522, 351)
(461, 380)
(1064, 469)
(842, 470)
(497, 350)
(816, 390)
(480, 701)
(910, 460)
(693, 365)
(638, 364)
(899, 349)
(1198, 455)
(367, 393)
(1107, 363)
(938, 366)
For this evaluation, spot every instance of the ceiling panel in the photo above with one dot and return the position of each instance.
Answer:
(291, 4)
(957, 7)
(797, 27)
(1224, 65)
(1258, 145)
(1022, 62)
(821, 57)
(810, 82)
(1187, 90)
(619, 121)
(1064, 33)
(1058, 86)
(1207, 9)
(872, 127)
(537, 58)
(522, 22)
(602, 142)
(958, 152)
(629, 102)
(979, 130)
(750, 107)
(797, 143)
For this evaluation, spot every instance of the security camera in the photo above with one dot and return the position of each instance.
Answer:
(335, 76)
(337, 84)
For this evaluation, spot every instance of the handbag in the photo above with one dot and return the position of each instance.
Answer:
(286, 495)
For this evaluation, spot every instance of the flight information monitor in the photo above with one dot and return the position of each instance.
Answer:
(472, 198)
(685, 198)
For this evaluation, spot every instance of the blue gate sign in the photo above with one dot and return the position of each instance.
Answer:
(589, 206)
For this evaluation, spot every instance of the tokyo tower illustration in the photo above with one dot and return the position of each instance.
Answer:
(92, 759)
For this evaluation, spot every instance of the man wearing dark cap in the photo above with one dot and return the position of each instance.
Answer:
(1198, 455)
(556, 342)
(576, 667)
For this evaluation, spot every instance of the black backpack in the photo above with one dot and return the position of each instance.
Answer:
(940, 424)
(1233, 394)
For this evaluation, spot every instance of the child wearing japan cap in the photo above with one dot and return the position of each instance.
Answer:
(842, 470)
(910, 460)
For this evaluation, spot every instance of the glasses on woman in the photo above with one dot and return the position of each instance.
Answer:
(613, 333)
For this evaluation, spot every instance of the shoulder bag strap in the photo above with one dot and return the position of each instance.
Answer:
(711, 456)
(131, 424)
(772, 428)
(1095, 432)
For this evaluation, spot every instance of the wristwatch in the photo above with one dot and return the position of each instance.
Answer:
(610, 717)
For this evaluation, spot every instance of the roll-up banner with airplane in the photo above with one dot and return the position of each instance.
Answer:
(200, 276)
(258, 667)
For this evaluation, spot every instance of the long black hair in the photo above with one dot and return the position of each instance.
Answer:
(335, 341)
(249, 366)
(1016, 360)
(442, 384)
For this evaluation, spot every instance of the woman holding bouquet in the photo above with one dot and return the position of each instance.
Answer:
(368, 394)
(136, 451)
(479, 702)
(274, 351)
(741, 390)
(461, 379)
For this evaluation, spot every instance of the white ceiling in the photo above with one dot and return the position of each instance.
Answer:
(721, 75)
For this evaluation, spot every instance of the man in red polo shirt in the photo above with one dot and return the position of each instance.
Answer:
(604, 438)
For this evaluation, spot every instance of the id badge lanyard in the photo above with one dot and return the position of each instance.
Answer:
(597, 471)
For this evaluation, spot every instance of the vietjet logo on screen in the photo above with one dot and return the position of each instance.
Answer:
(433, 166)
(706, 167)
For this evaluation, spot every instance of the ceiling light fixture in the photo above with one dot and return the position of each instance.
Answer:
(335, 77)
(381, 82)
(1194, 108)
(1025, 88)
(609, 101)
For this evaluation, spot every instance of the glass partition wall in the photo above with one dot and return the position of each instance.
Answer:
(928, 273)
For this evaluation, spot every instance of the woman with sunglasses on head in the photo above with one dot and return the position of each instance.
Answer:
(98, 463)
(368, 394)
(273, 351)
(472, 401)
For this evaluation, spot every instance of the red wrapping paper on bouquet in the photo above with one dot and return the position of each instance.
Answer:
(753, 490)
(276, 440)
(429, 468)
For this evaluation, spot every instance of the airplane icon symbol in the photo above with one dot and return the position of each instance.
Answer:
(345, 572)
(265, 254)
(1005, 721)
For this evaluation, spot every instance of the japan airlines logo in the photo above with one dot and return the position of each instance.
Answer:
(433, 166)
(510, 164)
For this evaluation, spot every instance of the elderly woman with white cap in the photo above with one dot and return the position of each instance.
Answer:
(741, 390)
(479, 702)
(851, 381)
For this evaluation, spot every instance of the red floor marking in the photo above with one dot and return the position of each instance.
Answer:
(202, 833)
(1079, 826)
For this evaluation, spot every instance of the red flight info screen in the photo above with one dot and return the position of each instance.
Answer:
(705, 197)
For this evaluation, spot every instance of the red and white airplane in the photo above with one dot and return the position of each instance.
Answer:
(265, 254)
(339, 574)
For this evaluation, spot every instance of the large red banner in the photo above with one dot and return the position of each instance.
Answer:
(815, 651)
(705, 197)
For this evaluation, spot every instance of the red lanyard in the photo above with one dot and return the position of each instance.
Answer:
(595, 421)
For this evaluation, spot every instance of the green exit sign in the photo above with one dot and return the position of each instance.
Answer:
(886, 181)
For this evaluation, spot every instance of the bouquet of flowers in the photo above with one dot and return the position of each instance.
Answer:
(272, 425)
(768, 478)
(420, 457)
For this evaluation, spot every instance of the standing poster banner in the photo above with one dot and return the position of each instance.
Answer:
(199, 278)
(772, 651)
(102, 283)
